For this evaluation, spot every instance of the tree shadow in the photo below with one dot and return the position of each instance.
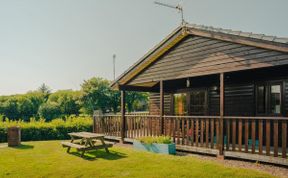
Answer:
(23, 147)
(100, 154)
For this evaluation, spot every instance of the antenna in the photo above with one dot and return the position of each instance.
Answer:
(178, 7)
(114, 61)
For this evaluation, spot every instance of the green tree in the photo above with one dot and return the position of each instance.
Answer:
(45, 90)
(49, 111)
(68, 101)
(96, 95)
(10, 108)
(136, 101)
(115, 100)
(25, 108)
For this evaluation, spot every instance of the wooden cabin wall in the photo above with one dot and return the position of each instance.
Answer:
(213, 101)
(239, 100)
(154, 103)
(197, 56)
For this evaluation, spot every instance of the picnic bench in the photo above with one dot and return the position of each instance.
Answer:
(85, 141)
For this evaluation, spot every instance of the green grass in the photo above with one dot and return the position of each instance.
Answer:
(49, 159)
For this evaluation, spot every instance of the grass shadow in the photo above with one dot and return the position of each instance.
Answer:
(23, 147)
(100, 154)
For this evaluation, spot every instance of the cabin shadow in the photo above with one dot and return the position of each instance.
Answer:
(100, 154)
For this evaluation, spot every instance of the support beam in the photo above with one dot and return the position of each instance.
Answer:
(161, 107)
(123, 119)
(221, 120)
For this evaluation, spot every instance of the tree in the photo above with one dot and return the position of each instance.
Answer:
(68, 101)
(45, 90)
(136, 101)
(49, 111)
(115, 100)
(25, 108)
(10, 108)
(96, 95)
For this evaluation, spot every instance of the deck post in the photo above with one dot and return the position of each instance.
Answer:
(123, 119)
(221, 120)
(161, 107)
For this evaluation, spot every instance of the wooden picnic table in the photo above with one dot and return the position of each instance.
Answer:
(84, 141)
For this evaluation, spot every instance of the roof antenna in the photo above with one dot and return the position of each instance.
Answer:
(178, 7)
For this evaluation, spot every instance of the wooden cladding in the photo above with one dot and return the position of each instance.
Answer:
(196, 56)
(154, 104)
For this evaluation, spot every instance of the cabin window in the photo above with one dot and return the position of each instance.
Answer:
(268, 99)
(180, 104)
(261, 98)
(198, 102)
(275, 99)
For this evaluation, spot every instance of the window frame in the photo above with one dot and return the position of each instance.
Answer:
(267, 88)
(188, 92)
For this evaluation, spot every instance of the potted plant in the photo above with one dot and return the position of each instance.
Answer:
(157, 144)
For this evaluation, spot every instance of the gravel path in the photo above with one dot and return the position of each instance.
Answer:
(274, 170)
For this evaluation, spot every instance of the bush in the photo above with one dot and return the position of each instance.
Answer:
(49, 111)
(158, 139)
(57, 129)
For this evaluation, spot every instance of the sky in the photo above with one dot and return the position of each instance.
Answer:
(63, 42)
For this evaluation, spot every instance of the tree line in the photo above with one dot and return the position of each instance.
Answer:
(95, 94)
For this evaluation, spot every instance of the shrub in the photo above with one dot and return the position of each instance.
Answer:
(57, 129)
(49, 111)
(158, 139)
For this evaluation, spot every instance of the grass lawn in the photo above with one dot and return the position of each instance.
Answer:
(49, 159)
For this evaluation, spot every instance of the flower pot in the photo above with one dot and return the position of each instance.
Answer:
(155, 147)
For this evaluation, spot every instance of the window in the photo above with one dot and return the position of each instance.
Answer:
(261, 100)
(180, 105)
(275, 99)
(268, 99)
(198, 104)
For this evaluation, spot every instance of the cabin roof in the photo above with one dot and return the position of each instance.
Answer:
(251, 35)
(247, 38)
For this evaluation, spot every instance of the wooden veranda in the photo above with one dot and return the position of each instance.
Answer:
(243, 137)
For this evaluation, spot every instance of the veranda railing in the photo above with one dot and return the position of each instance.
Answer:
(242, 136)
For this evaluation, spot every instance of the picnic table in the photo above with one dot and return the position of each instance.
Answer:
(85, 141)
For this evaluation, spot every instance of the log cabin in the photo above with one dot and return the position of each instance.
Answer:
(214, 91)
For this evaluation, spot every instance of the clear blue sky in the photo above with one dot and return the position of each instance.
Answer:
(63, 42)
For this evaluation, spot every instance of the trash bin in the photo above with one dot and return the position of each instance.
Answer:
(14, 136)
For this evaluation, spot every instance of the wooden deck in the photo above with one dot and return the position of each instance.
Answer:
(253, 138)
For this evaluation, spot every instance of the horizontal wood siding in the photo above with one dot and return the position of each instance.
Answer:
(195, 56)
(239, 100)
(213, 100)
(154, 104)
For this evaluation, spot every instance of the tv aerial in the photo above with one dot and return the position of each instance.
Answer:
(178, 7)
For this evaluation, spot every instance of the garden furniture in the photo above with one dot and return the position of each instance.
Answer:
(85, 141)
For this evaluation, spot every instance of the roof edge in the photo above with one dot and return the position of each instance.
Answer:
(116, 82)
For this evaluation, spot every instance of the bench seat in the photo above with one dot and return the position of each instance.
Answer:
(73, 145)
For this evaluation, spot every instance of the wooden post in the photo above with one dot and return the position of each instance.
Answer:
(97, 119)
(221, 120)
(123, 119)
(161, 107)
